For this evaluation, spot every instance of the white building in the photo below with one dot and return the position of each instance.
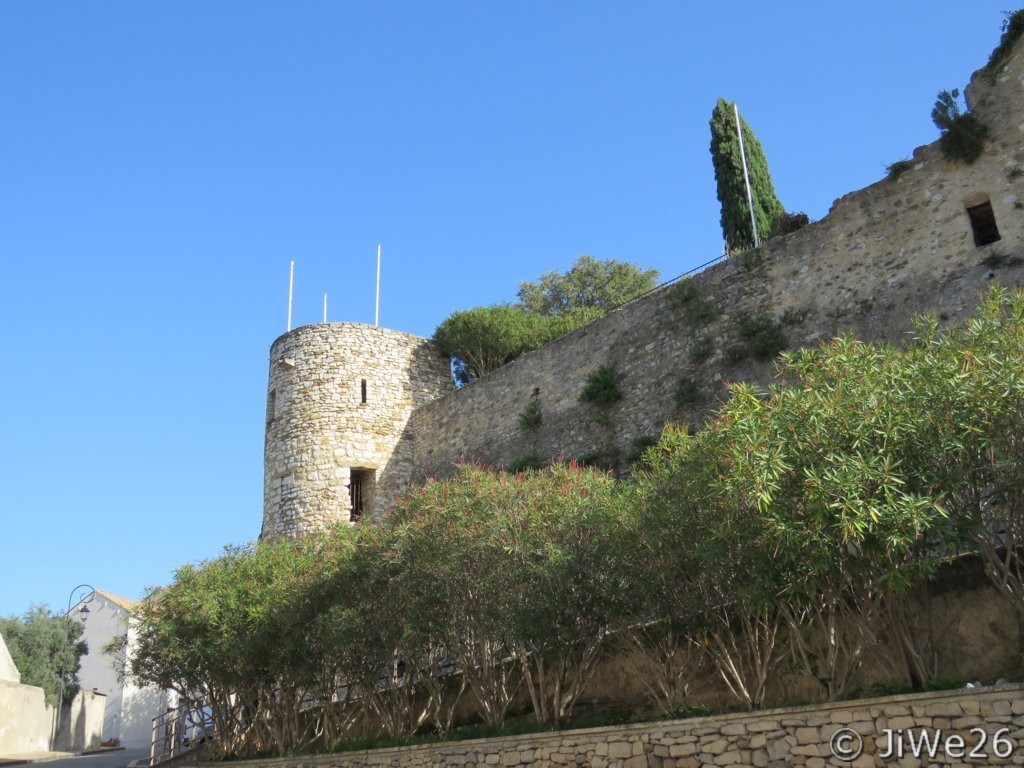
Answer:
(130, 709)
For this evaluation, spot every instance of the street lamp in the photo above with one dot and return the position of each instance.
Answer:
(84, 611)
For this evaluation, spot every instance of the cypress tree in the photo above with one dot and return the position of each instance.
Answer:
(732, 192)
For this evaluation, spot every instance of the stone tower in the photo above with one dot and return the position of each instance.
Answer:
(338, 445)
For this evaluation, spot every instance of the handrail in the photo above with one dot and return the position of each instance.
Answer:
(180, 730)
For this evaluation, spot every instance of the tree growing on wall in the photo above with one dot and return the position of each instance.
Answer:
(44, 646)
(591, 283)
(732, 192)
(481, 339)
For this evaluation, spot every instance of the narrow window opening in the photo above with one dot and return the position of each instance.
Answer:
(983, 224)
(271, 405)
(361, 491)
(363, 389)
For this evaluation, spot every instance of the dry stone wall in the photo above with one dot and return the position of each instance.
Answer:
(883, 254)
(986, 722)
(338, 401)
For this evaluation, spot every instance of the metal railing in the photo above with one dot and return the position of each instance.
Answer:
(180, 730)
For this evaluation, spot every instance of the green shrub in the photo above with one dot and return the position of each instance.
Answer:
(486, 338)
(1013, 28)
(788, 222)
(598, 460)
(760, 337)
(997, 259)
(963, 135)
(701, 350)
(897, 169)
(531, 417)
(639, 446)
(944, 684)
(602, 387)
(687, 392)
(794, 316)
(685, 297)
(523, 463)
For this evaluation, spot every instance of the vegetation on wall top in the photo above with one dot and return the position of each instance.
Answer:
(963, 134)
(45, 646)
(732, 193)
(1013, 29)
(483, 339)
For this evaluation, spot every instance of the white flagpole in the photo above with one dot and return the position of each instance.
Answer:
(291, 287)
(376, 309)
(746, 177)
(325, 307)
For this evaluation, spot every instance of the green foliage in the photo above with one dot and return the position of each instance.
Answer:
(701, 350)
(486, 338)
(685, 297)
(944, 684)
(602, 387)
(725, 154)
(760, 337)
(997, 259)
(962, 134)
(687, 392)
(639, 447)
(794, 316)
(45, 646)
(531, 416)
(890, 688)
(602, 460)
(794, 525)
(590, 284)
(898, 168)
(1013, 28)
(483, 339)
(525, 462)
(787, 223)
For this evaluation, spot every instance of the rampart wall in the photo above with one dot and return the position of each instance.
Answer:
(987, 722)
(884, 254)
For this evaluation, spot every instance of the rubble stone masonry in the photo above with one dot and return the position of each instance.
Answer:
(967, 727)
(339, 398)
(882, 255)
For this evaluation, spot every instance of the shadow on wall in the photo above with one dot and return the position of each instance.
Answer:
(81, 725)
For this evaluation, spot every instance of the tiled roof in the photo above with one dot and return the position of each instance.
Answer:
(122, 602)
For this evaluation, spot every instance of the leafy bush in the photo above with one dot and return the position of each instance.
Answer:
(788, 222)
(531, 417)
(963, 135)
(1013, 29)
(760, 337)
(701, 350)
(486, 338)
(897, 169)
(524, 463)
(45, 646)
(639, 447)
(687, 392)
(602, 387)
(998, 259)
(590, 284)
(685, 297)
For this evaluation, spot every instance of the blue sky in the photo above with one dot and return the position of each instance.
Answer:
(161, 163)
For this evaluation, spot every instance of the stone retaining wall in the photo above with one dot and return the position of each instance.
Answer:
(897, 248)
(989, 721)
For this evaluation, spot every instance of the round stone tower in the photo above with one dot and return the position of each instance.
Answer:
(338, 444)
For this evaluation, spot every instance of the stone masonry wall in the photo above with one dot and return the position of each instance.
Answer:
(319, 428)
(883, 254)
(989, 722)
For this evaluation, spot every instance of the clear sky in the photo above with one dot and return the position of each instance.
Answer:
(161, 163)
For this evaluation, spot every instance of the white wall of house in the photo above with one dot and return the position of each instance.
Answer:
(130, 709)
